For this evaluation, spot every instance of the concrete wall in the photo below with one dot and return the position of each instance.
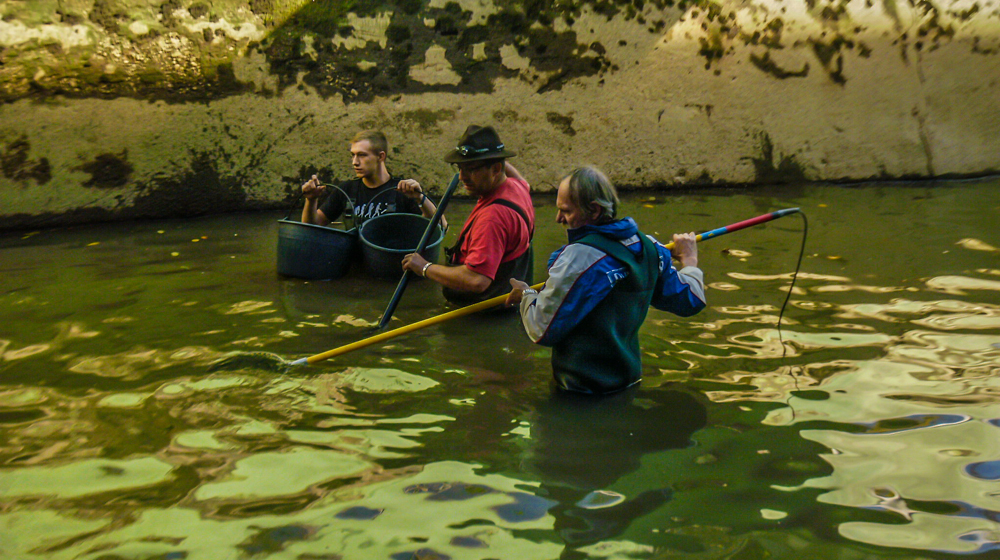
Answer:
(150, 108)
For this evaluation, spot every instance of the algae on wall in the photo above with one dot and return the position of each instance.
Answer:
(151, 108)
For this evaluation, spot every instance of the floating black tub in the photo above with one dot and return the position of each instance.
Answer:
(386, 239)
(315, 252)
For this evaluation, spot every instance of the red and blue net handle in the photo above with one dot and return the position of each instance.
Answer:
(746, 223)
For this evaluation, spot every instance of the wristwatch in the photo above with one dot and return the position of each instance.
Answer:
(527, 291)
(423, 272)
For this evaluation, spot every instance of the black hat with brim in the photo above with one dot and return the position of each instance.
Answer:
(478, 143)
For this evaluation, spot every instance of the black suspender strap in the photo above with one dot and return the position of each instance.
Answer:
(502, 202)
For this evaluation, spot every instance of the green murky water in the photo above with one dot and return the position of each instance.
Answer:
(875, 435)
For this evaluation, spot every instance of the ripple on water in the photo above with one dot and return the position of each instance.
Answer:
(961, 285)
(287, 472)
(82, 478)
(912, 458)
(360, 513)
(986, 470)
(951, 350)
(885, 408)
(981, 319)
(384, 380)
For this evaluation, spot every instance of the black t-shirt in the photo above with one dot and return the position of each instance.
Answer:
(368, 203)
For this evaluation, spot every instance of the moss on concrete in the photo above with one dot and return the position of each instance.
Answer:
(168, 49)
(304, 47)
(563, 123)
(112, 48)
(107, 171)
(200, 189)
(180, 107)
(768, 171)
(17, 165)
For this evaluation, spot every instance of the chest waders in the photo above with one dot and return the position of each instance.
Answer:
(601, 353)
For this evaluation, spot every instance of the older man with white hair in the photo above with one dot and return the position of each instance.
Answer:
(600, 287)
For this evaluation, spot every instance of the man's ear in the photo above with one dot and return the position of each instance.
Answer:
(595, 211)
(382, 156)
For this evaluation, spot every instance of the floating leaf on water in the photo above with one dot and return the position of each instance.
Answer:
(723, 286)
(975, 245)
(959, 452)
(599, 499)
(706, 459)
(247, 307)
(353, 321)
(772, 514)
(174, 254)
(26, 352)
(94, 243)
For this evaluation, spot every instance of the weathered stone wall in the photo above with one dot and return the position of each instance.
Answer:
(152, 108)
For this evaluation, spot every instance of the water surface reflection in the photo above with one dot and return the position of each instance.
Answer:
(866, 427)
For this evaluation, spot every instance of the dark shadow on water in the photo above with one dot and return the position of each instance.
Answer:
(584, 444)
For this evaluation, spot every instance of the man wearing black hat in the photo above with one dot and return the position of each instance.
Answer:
(494, 245)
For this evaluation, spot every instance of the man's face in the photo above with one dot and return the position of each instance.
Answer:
(568, 213)
(365, 160)
(477, 176)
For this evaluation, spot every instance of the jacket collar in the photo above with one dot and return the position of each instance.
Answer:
(618, 229)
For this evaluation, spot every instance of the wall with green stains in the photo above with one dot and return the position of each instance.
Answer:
(114, 109)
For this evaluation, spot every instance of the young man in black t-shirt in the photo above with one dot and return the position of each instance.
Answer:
(369, 190)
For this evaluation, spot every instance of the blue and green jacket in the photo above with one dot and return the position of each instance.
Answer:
(599, 289)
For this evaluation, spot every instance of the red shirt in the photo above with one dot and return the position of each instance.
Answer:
(498, 233)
